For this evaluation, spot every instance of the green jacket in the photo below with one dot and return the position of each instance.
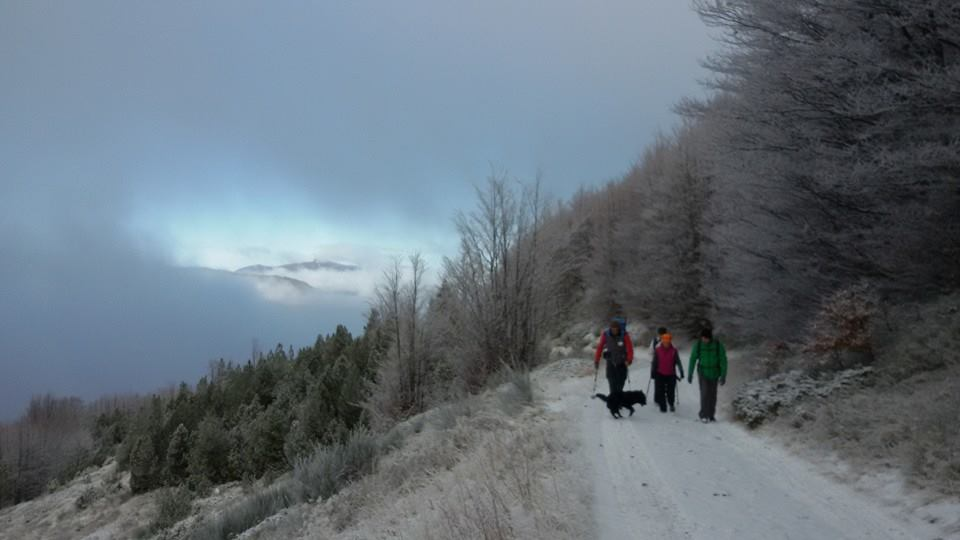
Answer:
(712, 357)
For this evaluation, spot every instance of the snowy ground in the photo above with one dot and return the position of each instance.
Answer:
(666, 475)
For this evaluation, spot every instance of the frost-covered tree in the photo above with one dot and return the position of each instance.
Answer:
(637, 246)
(496, 304)
(611, 253)
(568, 242)
(835, 143)
(665, 267)
(403, 376)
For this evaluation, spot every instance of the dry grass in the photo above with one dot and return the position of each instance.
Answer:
(935, 450)
(479, 511)
(173, 505)
(481, 468)
(315, 477)
(508, 489)
(329, 468)
(517, 392)
(246, 513)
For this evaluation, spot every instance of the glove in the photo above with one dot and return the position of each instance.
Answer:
(723, 380)
(680, 378)
(690, 380)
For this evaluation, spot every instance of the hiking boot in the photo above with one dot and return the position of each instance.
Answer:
(672, 409)
(712, 419)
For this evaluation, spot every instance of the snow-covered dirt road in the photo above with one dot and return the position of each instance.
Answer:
(666, 475)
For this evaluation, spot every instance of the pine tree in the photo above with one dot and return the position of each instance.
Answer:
(209, 455)
(5, 485)
(142, 465)
(183, 410)
(269, 434)
(178, 455)
(297, 443)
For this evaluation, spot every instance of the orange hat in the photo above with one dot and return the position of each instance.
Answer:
(666, 339)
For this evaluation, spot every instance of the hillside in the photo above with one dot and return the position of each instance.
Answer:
(542, 460)
(500, 462)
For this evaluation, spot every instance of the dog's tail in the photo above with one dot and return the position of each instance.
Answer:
(601, 396)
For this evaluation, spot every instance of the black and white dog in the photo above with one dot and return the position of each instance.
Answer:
(623, 400)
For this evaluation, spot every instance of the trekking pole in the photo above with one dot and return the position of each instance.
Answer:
(650, 380)
(595, 371)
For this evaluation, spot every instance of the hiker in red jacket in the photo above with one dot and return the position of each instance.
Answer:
(617, 348)
(663, 371)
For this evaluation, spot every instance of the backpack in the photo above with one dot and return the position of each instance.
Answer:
(622, 321)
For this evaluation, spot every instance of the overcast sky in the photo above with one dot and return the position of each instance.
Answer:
(138, 139)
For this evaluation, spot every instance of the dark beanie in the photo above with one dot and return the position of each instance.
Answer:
(706, 333)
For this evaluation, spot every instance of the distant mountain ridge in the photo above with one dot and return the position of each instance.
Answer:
(257, 277)
(296, 283)
(311, 266)
(276, 281)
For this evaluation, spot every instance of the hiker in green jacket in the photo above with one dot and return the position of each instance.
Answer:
(712, 369)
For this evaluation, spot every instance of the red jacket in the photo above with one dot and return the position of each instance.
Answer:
(627, 342)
